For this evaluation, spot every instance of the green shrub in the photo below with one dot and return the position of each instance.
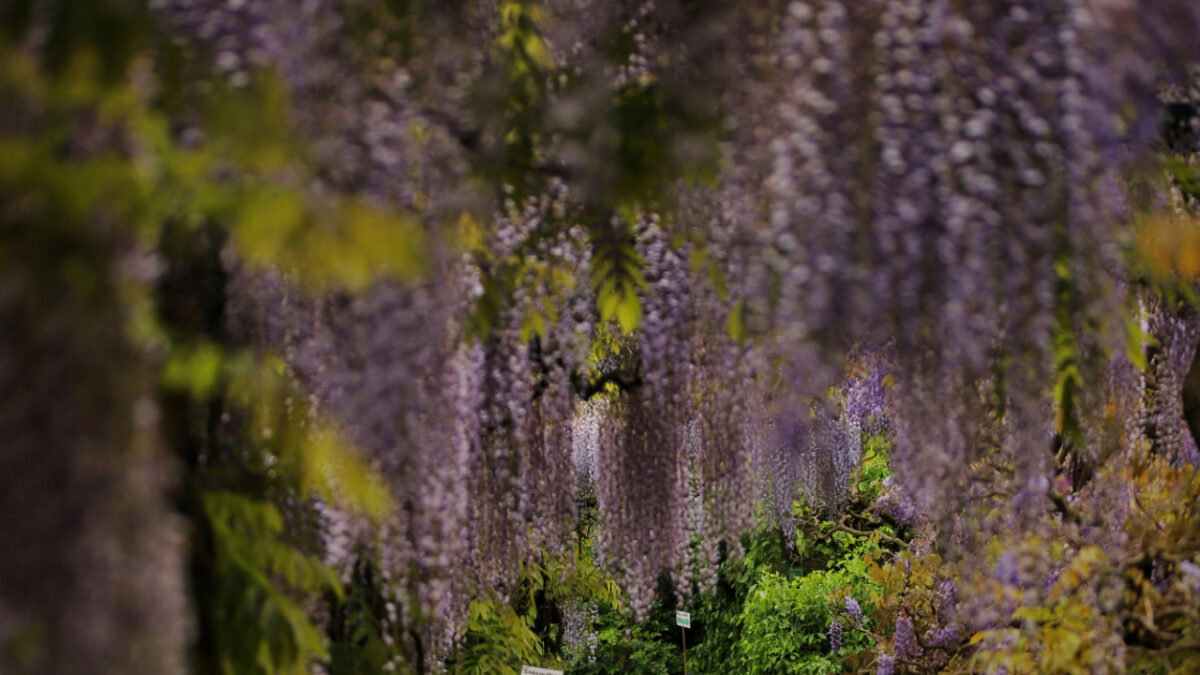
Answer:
(785, 623)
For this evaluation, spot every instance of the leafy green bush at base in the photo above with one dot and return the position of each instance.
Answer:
(785, 624)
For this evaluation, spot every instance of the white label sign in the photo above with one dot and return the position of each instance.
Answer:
(533, 670)
(683, 619)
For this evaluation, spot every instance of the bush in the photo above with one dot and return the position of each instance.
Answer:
(786, 623)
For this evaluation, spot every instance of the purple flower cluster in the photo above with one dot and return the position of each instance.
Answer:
(854, 611)
(906, 236)
(1176, 338)
(866, 399)
(579, 636)
(945, 636)
(904, 640)
(894, 504)
(1008, 569)
(947, 598)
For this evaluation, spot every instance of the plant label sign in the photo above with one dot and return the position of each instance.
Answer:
(683, 619)
(533, 670)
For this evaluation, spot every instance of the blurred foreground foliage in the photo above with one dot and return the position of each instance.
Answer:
(103, 197)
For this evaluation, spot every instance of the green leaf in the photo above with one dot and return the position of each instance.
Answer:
(196, 370)
(735, 323)
(629, 312)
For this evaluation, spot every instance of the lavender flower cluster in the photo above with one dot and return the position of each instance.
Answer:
(912, 138)
(854, 611)
(904, 640)
(580, 639)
